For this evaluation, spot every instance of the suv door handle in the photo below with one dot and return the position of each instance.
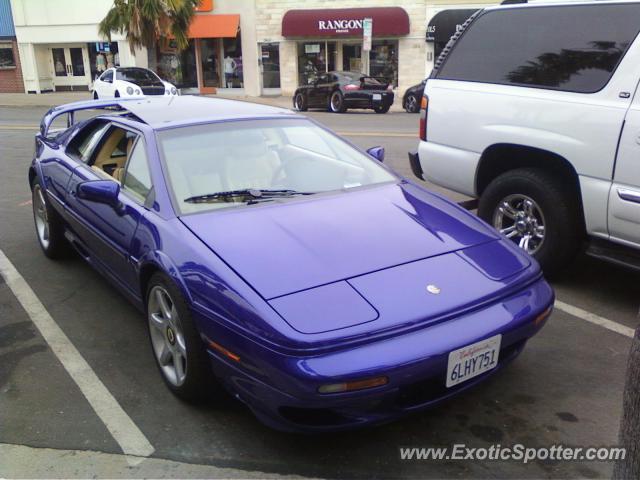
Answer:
(629, 195)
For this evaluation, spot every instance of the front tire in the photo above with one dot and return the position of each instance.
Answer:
(336, 102)
(95, 95)
(49, 227)
(178, 349)
(381, 108)
(535, 210)
(300, 102)
(117, 94)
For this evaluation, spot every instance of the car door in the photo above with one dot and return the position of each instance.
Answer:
(314, 95)
(104, 85)
(57, 164)
(107, 232)
(624, 195)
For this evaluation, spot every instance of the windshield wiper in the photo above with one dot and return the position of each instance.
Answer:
(252, 195)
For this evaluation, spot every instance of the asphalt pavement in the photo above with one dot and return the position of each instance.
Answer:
(565, 388)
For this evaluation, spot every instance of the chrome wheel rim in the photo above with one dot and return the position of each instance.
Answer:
(167, 337)
(411, 103)
(336, 102)
(520, 219)
(40, 215)
(299, 102)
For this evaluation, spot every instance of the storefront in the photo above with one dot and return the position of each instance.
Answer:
(62, 52)
(212, 60)
(329, 40)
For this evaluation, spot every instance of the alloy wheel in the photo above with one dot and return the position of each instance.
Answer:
(336, 102)
(41, 217)
(167, 336)
(411, 103)
(520, 219)
(299, 101)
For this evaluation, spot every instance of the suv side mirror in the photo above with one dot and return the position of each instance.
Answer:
(100, 191)
(377, 153)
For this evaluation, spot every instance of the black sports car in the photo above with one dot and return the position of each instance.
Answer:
(412, 98)
(337, 91)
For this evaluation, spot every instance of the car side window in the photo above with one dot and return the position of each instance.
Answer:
(107, 76)
(137, 178)
(577, 51)
(85, 141)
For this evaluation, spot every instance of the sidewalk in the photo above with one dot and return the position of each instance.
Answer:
(59, 98)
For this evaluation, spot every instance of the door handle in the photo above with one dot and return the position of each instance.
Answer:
(629, 195)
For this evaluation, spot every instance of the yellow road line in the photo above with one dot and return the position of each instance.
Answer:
(20, 127)
(378, 134)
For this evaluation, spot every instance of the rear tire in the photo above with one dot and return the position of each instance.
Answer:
(173, 329)
(381, 108)
(556, 215)
(49, 226)
(336, 102)
(300, 102)
(412, 104)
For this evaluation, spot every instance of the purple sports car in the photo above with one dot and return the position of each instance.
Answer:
(316, 285)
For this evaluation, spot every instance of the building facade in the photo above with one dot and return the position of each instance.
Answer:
(10, 68)
(221, 56)
(59, 45)
(296, 40)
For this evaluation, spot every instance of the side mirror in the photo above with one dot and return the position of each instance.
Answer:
(100, 191)
(377, 153)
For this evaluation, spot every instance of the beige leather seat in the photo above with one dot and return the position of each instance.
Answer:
(104, 156)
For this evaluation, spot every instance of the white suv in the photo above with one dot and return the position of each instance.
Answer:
(533, 109)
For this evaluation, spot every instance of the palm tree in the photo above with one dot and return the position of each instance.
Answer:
(144, 22)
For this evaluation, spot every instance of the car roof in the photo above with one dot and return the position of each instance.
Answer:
(556, 3)
(172, 111)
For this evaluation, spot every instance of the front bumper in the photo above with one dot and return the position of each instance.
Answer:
(282, 390)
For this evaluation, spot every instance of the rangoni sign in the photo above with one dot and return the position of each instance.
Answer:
(344, 22)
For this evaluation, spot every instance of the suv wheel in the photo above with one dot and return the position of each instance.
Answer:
(533, 208)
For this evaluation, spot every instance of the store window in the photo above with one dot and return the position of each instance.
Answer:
(383, 60)
(232, 62)
(314, 58)
(7, 60)
(102, 55)
(178, 67)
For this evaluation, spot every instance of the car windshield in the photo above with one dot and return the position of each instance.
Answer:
(136, 75)
(221, 165)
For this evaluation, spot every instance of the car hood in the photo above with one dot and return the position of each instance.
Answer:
(297, 244)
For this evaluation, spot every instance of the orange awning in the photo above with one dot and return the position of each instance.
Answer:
(214, 26)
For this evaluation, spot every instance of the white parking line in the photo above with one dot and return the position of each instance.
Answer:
(124, 431)
(595, 319)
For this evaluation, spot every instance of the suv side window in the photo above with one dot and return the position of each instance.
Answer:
(86, 140)
(571, 48)
(137, 178)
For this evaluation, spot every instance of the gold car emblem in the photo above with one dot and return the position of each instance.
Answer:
(433, 289)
